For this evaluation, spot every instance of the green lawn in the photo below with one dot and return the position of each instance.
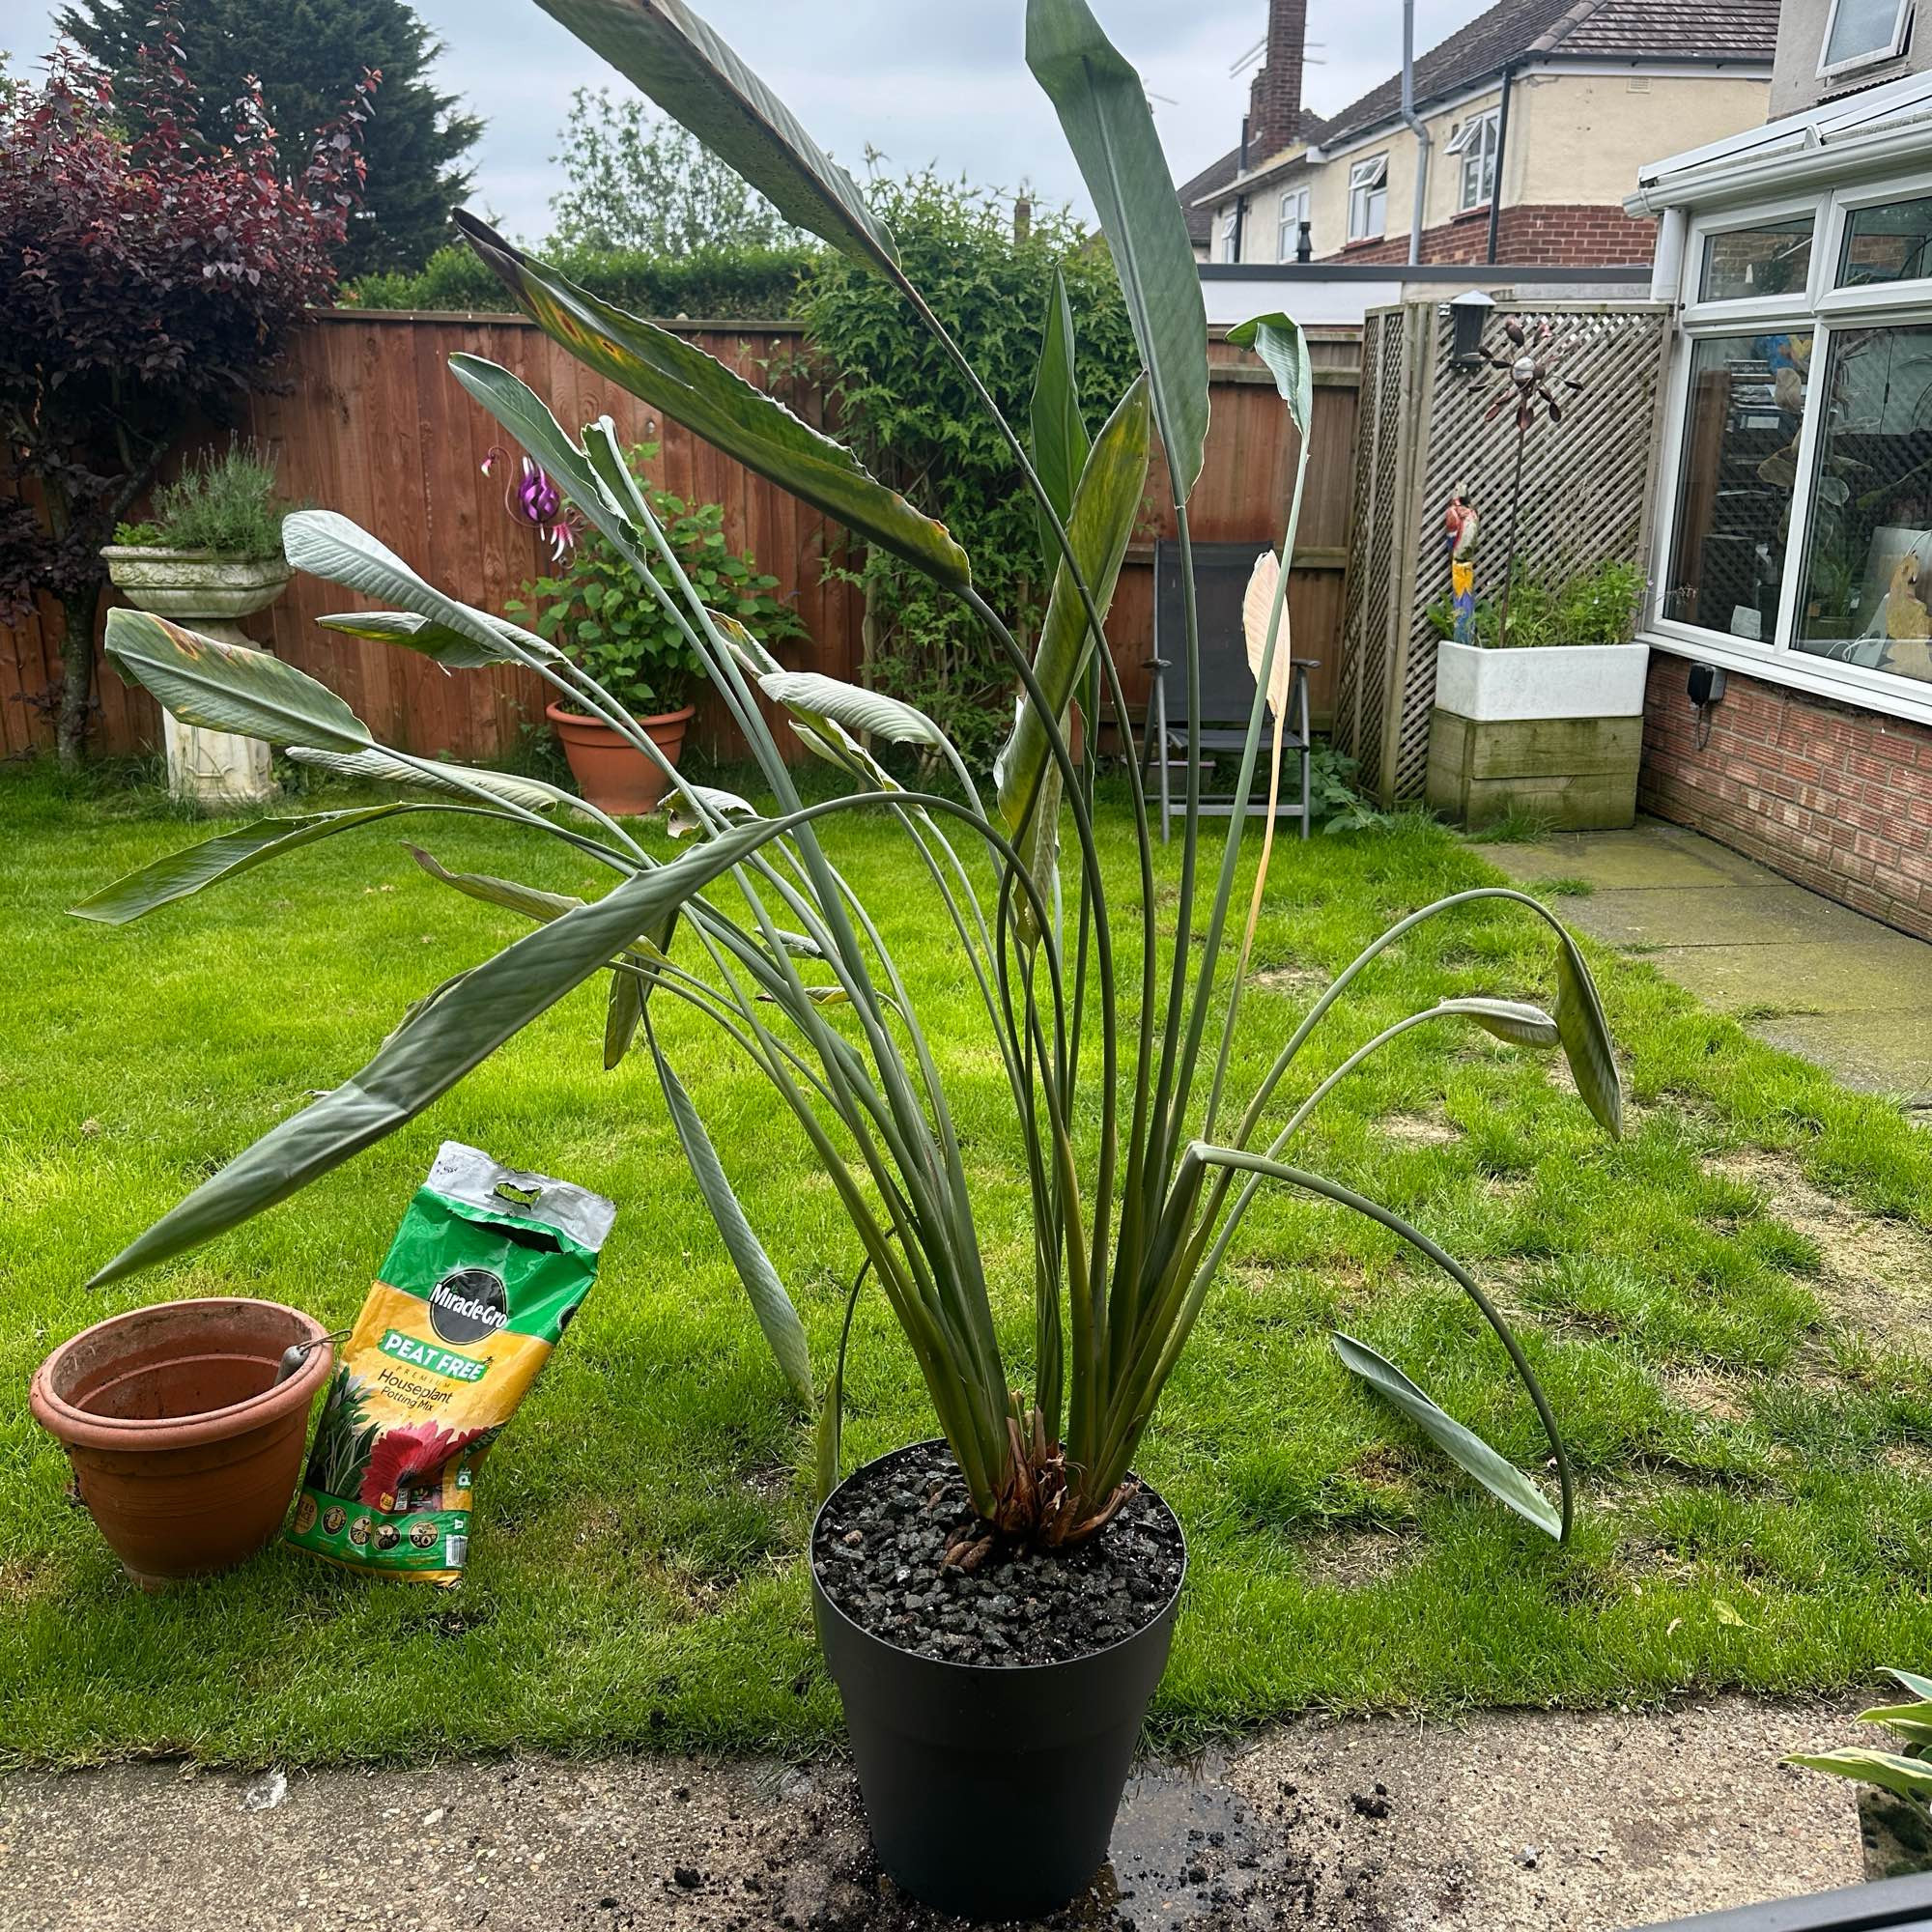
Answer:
(637, 1575)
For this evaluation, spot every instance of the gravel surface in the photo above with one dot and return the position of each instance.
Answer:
(879, 1553)
(1508, 1822)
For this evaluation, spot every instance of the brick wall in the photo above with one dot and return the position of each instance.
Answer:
(1274, 95)
(1834, 796)
(1541, 235)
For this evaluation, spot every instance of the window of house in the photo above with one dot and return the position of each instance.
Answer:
(1768, 258)
(1858, 33)
(1889, 243)
(1867, 574)
(1795, 516)
(1292, 213)
(1368, 199)
(1475, 144)
(1742, 415)
(1228, 248)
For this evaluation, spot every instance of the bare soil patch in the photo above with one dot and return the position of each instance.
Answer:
(1875, 1273)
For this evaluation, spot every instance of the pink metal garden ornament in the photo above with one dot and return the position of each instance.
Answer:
(531, 498)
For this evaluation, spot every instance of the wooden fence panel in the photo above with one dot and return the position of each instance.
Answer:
(366, 419)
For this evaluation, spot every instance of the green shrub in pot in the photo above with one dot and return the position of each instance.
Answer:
(226, 505)
(619, 630)
(1112, 1008)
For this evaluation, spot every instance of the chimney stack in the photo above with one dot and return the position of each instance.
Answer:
(1274, 98)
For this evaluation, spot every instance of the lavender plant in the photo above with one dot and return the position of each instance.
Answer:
(1140, 1161)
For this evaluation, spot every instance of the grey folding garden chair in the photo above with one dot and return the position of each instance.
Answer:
(1221, 572)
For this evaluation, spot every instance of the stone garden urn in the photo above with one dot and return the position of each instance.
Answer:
(215, 771)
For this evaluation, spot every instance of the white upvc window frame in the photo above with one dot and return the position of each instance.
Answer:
(1882, 298)
(1821, 309)
(1705, 229)
(1901, 21)
(1295, 207)
(1368, 178)
(1228, 234)
(1480, 131)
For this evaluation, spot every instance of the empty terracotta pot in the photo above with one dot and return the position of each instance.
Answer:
(185, 1447)
(609, 771)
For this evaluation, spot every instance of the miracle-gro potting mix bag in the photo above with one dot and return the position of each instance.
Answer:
(483, 1276)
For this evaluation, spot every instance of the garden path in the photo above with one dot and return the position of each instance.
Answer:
(1537, 1821)
(1801, 971)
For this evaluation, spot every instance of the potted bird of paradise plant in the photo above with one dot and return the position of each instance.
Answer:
(992, 1745)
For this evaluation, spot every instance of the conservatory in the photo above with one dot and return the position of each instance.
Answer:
(1790, 613)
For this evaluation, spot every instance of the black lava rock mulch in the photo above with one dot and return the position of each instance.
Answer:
(877, 1553)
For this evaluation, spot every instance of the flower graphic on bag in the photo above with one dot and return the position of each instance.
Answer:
(409, 1459)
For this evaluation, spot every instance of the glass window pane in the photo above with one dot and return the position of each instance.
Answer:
(1888, 243)
(1868, 549)
(1742, 412)
(1861, 28)
(1774, 258)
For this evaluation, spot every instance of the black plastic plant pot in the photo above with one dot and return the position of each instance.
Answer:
(991, 1789)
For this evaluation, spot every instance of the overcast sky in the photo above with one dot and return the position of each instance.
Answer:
(923, 80)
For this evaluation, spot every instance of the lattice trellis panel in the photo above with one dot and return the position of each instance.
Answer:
(1362, 684)
(1586, 492)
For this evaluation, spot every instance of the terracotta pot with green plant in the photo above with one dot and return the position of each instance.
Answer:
(210, 556)
(995, 1607)
(617, 631)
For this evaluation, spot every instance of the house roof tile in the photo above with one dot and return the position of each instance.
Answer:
(1215, 175)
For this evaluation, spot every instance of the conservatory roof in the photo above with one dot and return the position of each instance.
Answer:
(1859, 131)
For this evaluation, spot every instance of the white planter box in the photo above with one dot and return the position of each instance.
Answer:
(1556, 681)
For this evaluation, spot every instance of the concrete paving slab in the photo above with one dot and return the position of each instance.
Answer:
(1882, 1052)
(1542, 1820)
(1726, 914)
(1873, 978)
(1810, 974)
(1611, 859)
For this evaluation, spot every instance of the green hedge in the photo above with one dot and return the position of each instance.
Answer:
(753, 284)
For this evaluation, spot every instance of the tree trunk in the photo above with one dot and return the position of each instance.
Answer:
(77, 608)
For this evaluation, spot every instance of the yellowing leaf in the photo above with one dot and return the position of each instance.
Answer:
(1257, 614)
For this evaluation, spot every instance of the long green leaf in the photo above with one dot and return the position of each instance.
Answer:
(1059, 439)
(1906, 1680)
(628, 990)
(532, 901)
(331, 547)
(1242, 1162)
(382, 767)
(1103, 109)
(1904, 1776)
(831, 1430)
(1513, 1020)
(625, 1009)
(814, 698)
(426, 1058)
(1277, 339)
(1464, 1446)
(665, 49)
(454, 650)
(1912, 1721)
(180, 875)
(712, 401)
(770, 1302)
(1586, 1039)
(227, 687)
(1105, 507)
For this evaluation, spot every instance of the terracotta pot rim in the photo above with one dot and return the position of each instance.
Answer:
(559, 714)
(77, 1427)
